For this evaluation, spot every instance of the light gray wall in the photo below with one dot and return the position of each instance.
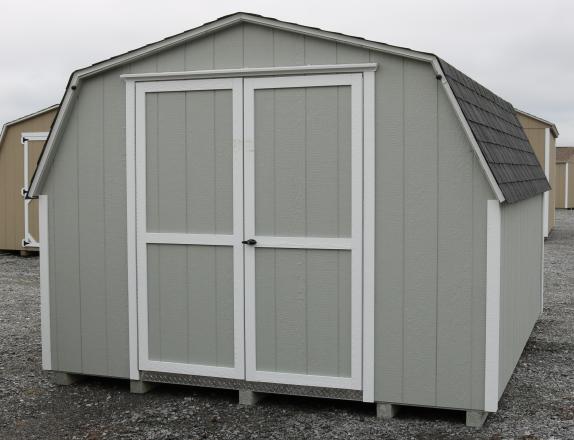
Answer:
(521, 253)
(430, 245)
(431, 212)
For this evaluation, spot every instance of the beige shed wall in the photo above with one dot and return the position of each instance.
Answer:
(535, 131)
(12, 180)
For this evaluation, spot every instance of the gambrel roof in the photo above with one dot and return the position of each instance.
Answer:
(7, 125)
(498, 140)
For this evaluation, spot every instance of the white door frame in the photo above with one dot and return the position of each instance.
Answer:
(25, 138)
(143, 237)
(355, 243)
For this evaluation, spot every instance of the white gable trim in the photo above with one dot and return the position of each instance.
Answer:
(24, 118)
(223, 23)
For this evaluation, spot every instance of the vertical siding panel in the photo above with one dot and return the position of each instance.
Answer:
(421, 234)
(3, 212)
(289, 48)
(65, 268)
(91, 227)
(320, 51)
(199, 54)
(228, 48)
(172, 60)
(481, 193)
(349, 54)
(265, 309)
(115, 224)
(389, 227)
(258, 42)
(53, 303)
(225, 300)
(454, 260)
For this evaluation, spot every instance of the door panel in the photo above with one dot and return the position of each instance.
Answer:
(189, 171)
(190, 304)
(189, 143)
(303, 208)
(303, 311)
(303, 162)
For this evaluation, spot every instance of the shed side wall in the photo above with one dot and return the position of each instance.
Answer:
(430, 232)
(552, 193)
(430, 245)
(521, 254)
(12, 180)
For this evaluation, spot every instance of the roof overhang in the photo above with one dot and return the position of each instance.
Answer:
(551, 125)
(220, 24)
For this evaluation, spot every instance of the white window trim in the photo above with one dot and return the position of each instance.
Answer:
(137, 241)
(25, 138)
(44, 283)
(492, 339)
(252, 374)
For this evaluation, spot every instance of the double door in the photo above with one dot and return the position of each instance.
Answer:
(249, 228)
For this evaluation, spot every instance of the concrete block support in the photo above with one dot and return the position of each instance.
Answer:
(66, 378)
(386, 410)
(475, 419)
(141, 387)
(247, 397)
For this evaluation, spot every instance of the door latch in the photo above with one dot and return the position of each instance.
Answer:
(250, 242)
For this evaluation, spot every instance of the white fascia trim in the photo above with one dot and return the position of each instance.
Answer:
(252, 71)
(492, 335)
(188, 36)
(45, 283)
(468, 131)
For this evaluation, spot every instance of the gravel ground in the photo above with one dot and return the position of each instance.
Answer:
(538, 402)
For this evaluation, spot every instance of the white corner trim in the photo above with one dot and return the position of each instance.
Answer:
(566, 185)
(491, 355)
(45, 283)
(369, 237)
(542, 264)
(468, 131)
(131, 230)
(546, 196)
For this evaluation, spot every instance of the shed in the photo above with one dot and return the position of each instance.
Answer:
(564, 177)
(542, 135)
(21, 142)
(274, 208)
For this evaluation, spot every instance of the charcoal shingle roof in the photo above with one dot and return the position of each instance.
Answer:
(500, 137)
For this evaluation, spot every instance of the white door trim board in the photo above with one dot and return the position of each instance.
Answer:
(253, 71)
(356, 240)
(25, 138)
(493, 259)
(137, 196)
(44, 283)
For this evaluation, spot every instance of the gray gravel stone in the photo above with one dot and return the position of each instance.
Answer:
(538, 402)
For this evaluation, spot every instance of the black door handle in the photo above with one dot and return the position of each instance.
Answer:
(250, 242)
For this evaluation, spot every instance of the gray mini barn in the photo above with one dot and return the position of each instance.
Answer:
(274, 208)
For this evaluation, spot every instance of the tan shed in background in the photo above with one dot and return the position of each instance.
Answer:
(12, 228)
(565, 177)
(542, 135)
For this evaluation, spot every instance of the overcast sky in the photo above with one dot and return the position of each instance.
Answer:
(522, 50)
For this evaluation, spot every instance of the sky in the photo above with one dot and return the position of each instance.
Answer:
(522, 50)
